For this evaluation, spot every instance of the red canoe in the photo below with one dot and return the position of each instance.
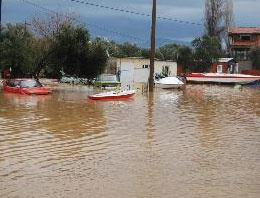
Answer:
(112, 95)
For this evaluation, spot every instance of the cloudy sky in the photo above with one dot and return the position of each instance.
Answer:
(121, 26)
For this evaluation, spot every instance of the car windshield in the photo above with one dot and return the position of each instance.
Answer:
(30, 83)
(107, 78)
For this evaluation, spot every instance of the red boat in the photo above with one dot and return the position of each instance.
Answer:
(112, 95)
(25, 86)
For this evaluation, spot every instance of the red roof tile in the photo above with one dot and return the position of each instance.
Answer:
(244, 30)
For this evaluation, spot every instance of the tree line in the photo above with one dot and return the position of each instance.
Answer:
(58, 44)
(53, 45)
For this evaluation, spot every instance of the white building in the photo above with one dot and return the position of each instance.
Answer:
(136, 69)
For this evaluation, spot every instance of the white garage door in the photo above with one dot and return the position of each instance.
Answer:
(127, 75)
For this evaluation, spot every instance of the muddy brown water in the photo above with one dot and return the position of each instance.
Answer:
(198, 143)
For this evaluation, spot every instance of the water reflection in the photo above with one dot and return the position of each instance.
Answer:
(150, 116)
(207, 109)
(199, 142)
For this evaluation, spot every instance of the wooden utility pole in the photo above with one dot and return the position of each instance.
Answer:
(152, 53)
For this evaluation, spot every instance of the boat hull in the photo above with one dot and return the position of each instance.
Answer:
(112, 95)
(169, 83)
(225, 79)
(168, 86)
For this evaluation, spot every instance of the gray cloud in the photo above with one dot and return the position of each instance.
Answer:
(246, 13)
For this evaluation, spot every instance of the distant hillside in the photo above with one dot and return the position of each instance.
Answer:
(161, 41)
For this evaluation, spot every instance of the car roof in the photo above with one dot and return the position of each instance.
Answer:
(21, 79)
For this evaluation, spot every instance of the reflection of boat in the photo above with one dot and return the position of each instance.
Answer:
(169, 83)
(221, 78)
(112, 95)
(25, 99)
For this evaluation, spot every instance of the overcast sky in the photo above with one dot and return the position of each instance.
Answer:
(122, 26)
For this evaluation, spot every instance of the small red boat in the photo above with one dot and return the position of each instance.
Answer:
(25, 86)
(112, 95)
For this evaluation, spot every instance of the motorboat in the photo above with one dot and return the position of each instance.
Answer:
(169, 83)
(221, 78)
(25, 86)
(112, 95)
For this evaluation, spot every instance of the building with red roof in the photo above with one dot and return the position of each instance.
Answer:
(241, 40)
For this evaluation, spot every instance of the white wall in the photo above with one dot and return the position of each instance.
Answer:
(140, 74)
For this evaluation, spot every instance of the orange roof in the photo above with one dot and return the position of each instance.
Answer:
(244, 30)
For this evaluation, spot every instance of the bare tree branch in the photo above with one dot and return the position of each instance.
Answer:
(218, 17)
(52, 24)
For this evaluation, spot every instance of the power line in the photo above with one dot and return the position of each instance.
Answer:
(89, 24)
(115, 32)
(134, 12)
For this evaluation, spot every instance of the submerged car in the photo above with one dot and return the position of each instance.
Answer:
(107, 80)
(69, 79)
(74, 80)
(25, 86)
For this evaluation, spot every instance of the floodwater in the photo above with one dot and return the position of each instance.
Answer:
(198, 143)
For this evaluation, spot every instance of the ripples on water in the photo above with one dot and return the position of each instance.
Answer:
(200, 142)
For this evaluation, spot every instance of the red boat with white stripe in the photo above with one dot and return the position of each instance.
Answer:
(112, 95)
(221, 78)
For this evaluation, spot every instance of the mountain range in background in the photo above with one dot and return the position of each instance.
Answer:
(162, 41)
(159, 42)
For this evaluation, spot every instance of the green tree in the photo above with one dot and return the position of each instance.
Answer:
(169, 51)
(41, 54)
(69, 50)
(185, 58)
(129, 50)
(112, 48)
(16, 51)
(254, 55)
(97, 59)
(206, 51)
(145, 53)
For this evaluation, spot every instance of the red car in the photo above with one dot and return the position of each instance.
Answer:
(25, 86)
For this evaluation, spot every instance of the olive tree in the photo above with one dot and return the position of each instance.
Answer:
(206, 51)
(16, 51)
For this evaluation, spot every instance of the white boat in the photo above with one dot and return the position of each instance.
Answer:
(221, 78)
(169, 83)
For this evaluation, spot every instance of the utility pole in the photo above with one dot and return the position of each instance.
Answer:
(152, 53)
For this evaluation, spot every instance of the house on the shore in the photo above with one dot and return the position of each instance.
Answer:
(137, 69)
(241, 40)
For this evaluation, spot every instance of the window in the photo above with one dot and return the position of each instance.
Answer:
(245, 37)
(30, 83)
(165, 71)
(145, 66)
(242, 54)
(219, 69)
(12, 83)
